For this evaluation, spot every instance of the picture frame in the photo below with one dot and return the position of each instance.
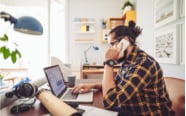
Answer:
(181, 8)
(182, 43)
(165, 11)
(165, 45)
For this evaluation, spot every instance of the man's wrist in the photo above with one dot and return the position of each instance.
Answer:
(110, 62)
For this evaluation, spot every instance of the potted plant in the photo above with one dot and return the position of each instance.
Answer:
(127, 6)
(5, 51)
(103, 23)
(1, 79)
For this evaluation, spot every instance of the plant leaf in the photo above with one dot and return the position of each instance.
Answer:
(2, 49)
(4, 38)
(18, 53)
(6, 52)
(13, 57)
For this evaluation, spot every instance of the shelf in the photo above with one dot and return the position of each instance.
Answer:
(113, 22)
(88, 32)
(84, 28)
(81, 23)
(83, 40)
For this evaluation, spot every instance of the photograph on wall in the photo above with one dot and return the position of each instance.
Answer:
(165, 46)
(182, 43)
(164, 12)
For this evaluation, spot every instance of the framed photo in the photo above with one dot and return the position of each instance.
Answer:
(165, 46)
(182, 43)
(165, 11)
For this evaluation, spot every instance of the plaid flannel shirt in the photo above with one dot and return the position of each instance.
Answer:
(140, 88)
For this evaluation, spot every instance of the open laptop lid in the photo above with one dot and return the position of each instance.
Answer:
(55, 79)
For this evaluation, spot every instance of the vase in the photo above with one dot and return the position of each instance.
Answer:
(127, 8)
(103, 26)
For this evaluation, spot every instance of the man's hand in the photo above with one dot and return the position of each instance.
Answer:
(82, 88)
(113, 52)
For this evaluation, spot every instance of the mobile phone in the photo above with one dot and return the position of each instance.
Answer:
(125, 44)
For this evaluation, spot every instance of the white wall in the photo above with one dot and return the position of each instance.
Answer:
(104, 9)
(96, 9)
(145, 20)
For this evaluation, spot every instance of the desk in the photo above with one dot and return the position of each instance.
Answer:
(39, 109)
(95, 69)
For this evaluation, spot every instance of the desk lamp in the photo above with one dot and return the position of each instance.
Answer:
(24, 24)
(85, 52)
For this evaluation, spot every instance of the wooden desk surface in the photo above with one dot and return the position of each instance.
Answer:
(40, 110)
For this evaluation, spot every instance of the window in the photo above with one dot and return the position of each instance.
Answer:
(34, 49)
(58, 38)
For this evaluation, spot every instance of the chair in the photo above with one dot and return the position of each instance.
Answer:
(64, 68)
(176, 90)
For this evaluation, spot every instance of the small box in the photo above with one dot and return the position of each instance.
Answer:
(83, 28)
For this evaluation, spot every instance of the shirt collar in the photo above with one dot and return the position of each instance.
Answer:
(131, 58)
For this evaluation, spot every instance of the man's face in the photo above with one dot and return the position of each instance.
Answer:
(112, 40)
(115, 42)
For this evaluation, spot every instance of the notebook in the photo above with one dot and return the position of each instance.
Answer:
(58, 87)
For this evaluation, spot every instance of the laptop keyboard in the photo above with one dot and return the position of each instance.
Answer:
(69, 95)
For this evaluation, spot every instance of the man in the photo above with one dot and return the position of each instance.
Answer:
(138, 89)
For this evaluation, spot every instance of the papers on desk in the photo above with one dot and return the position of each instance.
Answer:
(94, 111)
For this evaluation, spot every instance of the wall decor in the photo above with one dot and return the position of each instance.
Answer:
(165, 11)
(182, 43)
(165, 45)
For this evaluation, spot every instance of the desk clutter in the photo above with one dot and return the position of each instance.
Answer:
(94, 111)
(47, 104)
(59, 108)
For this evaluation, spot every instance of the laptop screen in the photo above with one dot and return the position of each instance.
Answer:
(55, 79)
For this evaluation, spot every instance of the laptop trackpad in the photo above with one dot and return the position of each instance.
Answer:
(86, 97)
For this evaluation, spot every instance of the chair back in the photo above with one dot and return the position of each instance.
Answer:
(176, 90)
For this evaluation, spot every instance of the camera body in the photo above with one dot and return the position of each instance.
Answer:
(25, 90)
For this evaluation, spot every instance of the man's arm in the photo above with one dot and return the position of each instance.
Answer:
(128, 87)
(108, 79)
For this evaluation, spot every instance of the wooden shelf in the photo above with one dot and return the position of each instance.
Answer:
(88, 22)
(113, 22)
(87, 32)
(84, 40)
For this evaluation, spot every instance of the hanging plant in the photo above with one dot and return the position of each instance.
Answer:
(126, 4)
(5, 51)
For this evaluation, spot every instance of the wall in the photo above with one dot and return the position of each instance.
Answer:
(103, 9)
(96, 9)
(145, 20)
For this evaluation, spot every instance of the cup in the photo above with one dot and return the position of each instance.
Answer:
(71, 80)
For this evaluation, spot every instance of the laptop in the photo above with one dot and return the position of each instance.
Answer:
(58, 87)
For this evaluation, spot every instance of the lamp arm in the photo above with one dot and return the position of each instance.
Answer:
(87, 49)
(85, 55)
(8, 17)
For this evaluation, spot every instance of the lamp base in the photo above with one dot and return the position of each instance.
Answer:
(86, 64)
